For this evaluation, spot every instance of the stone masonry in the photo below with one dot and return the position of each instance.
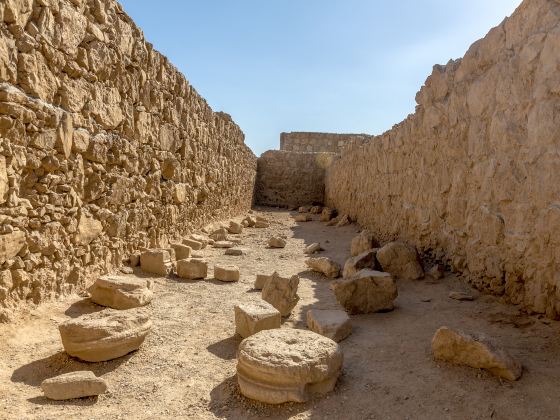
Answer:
(104, 148)
(320, 142)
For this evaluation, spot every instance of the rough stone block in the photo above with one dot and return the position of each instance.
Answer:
(261, 280)
(364, 260)
(119, 292)
(156, 261)
(250, 318)
(281, 293)
(192, 269)
(325, 266)
(400, 260)
(227, 273)
(362, 243)
(334, 324)
(194, 245)
(73, 385)
(277, 242)
(181, 251)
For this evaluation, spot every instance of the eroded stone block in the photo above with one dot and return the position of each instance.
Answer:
(252, 317)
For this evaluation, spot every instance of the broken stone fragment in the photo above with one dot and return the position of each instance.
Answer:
(462, 296)
(105, 335)
(344, 220)
(276, 242)
(223, 244)
(11, 244)
(362, 243)
(192, 269)
(365, 292)
(312, 249)
(437, 271)
(280, 365)
(156, 261)
(260, 224)
(181, 251)
(73, 385)
(325, 266)
(235, 251)
(119, 292)
(219, 234)
(316, 210)
(235, 228)
(304, 209)
(400, 260)
(88, 229)
(281, 293)
(476, 351)
(194, 245)
(328, 214)
(250, 220)
(334, 324)
(261, 280)
(199, 238)
(226, 273)
(364, 260)
(303, 218)
(250, 318)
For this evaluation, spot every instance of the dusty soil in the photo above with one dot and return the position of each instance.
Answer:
(186, 367)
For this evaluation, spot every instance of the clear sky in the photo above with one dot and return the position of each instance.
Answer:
(313, 65)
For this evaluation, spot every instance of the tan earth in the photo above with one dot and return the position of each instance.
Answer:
(186, 366)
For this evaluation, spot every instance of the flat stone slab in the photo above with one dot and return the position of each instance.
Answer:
(476, 351)
(281, 293)
(73, 385)
(223, 244)
(281, 365)
(334, 324)
(120, 292)
(252, 317)
(312, 249)
(227, 273)
(325, 266)
(105, 335)
(193, 269)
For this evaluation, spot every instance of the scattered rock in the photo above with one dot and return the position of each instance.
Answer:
(227, 273)
(119, 292)
(400, 260)
(251, 221)
(126, 270)
(281, 365)
(476, 351)
(235, 228)
(236, 251)
(194, 245)
(219, 234)
(223, 244)
(364, 260)
(276, 242)
(303, 218)
(312, 249)
(199, 238)
(260, 224)
(333, 324)
(316, 210)
(328, 214)
(156, 261)
(437, 271)
(73, 385)
(192, 269)
(281, 293)
(304, 209)
(250, 318)
(261, 280)
(181, 251)
(367, 291)
(362, 243)
(105, 335)
(324, 265)
(344, 221)
(461, 296)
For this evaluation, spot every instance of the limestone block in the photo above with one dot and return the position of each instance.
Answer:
(119, 292)
(236, 252)
(105, 335)
(181, 251)
(192, 269)
(219, 234)
(367, 291)
(364, 260)
(477, 351)
(334, 324)
(235, 228)
(362, 243)
(327, 214)
(344, 220)
(312, 249)
(250, 318)
(261, 280)
(194, 245)
(88, 229)
(281, 365)
(325, 266)
(223, 244)
(11, 244)
(303, 218)
(400, 260)
(276, 242)
(156, 261)
(71, 385)
(227, 273)
(281, 293)
(316, 210)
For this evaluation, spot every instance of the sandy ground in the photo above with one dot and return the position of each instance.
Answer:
(186, 367)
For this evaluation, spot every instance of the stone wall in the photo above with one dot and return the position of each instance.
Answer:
(319, 142)
(104, 148)
(474, 174)
(289, 179)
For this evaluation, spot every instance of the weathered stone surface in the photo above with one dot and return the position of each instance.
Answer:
(362, 243)
(325, 266)
(235, 228)
(304, 209)
(156, 261)
(476, 351)
(250, 318)
(261, 224)
(281, 365)
(88, 230)
(316, 210)
(105, 335)
(4, 184)
(181, 251)
(235, 251)
(461, 296)
(364, 260)
(119, 292)
(11, 244)
(223, 244)
(199, 238)
(73, 385)
(227, 273)
(400, 260)
(367, 291)
(333, 324)
(303, 218)
(250, 221)
(220, 234)
(312, 249)
(343, 220)
(193, 269)
(194, 245)
(281, 293)
(261, 280)
(277, 242)
(327, 214)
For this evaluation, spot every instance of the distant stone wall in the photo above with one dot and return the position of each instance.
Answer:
(104, 148)
(287, 179)
(320, 142)
(474, 174)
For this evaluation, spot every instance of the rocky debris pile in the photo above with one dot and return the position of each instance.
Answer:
(277, 242)
(476, 351)
(325, 266)
(334, 324)
(312, 249)
(71, 385)
(193, 269)
(281, 292)
(252, 317)
(362, 243)
(364, 260)
(105, 335)
(119, 292)
(401, 260)
(365, 292)
(226, 273)
(282, 365)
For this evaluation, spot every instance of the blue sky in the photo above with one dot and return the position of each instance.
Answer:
(313, 65)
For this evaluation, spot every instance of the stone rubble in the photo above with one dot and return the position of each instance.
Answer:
(364, 260)
(362, 243)
(72, 385)
(325, 266)
(303, 218)
(281, 292)
(312, 249)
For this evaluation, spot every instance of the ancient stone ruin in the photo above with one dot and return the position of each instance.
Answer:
(153, 267)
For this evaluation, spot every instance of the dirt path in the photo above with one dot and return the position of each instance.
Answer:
(186, 367)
